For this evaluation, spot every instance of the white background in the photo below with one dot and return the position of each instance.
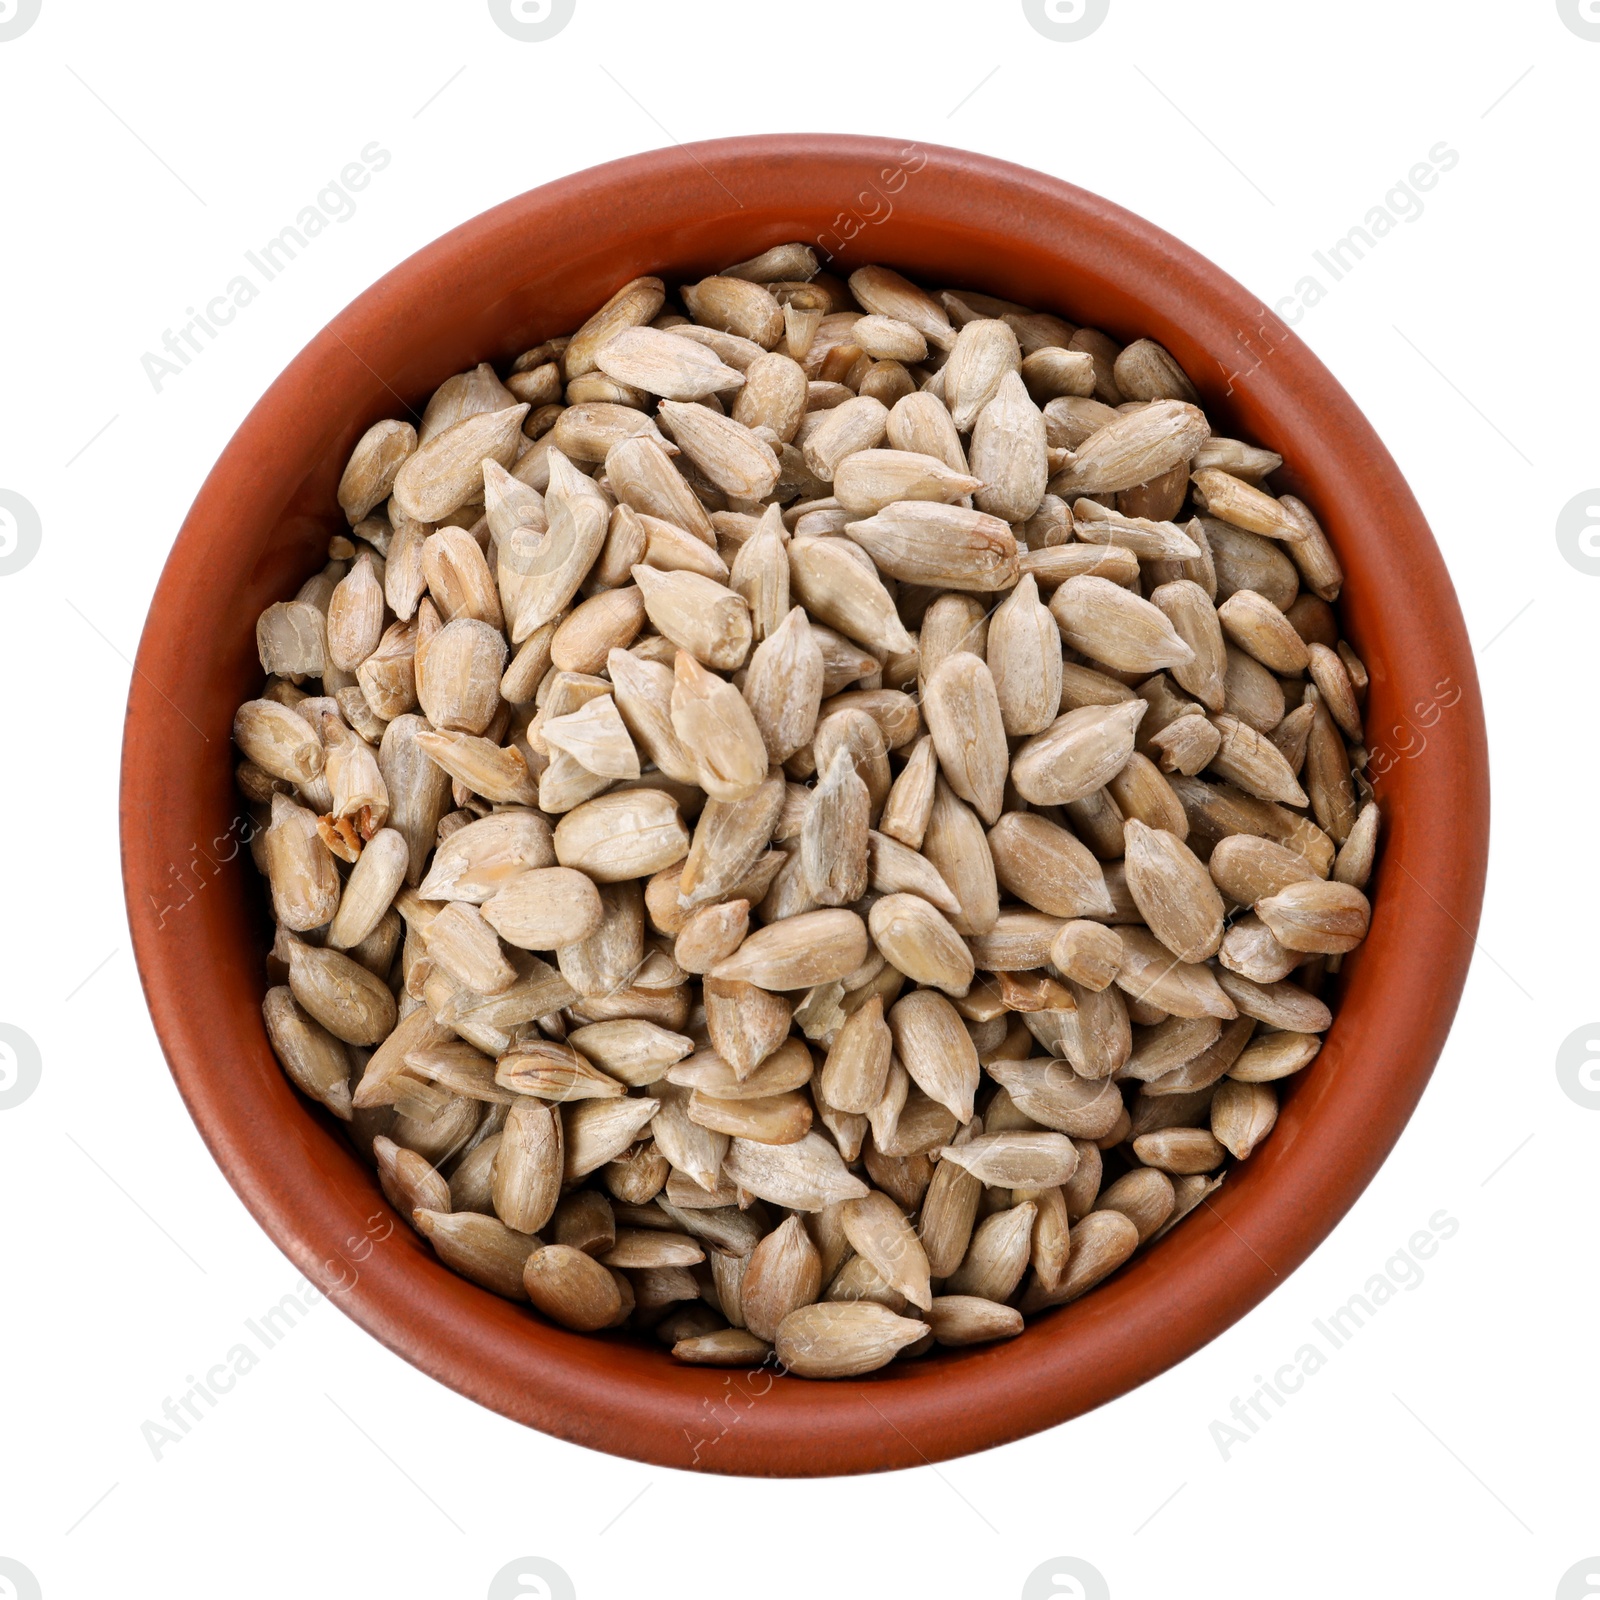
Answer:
(1448, 1448)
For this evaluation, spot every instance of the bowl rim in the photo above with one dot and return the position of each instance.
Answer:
(1395, 1012)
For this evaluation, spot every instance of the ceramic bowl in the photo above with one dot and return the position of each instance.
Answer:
(534, 267)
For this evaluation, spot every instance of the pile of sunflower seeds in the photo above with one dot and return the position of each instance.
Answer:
(810, 823)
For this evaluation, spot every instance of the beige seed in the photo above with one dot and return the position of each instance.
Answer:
(857, 424)
(842, 591)
(736, 306)
(595, 737)
(920, 942)
(643, 694)
(278, 740)
(442, 475)
(676, 369)
(1279, 1005)
(1244, 506)
(1132, 448)
(1242, 1115)
(799, 952)
(879, 1232)
(946, 546)
(633, 305)
(893, 868)
(355, 616)
(1248, 869)
(300, 869)
(369, 474)
(315, 1060)
(1150, 972)
(350, 1002)
(1144, 1196)
(937, 1050)
(805, 1175)
(1249, 948)
(1254, 763)
(1274, 1056)
(732, 457)
(1088, 953)
(624, 835)
(857, 1066)
(408, 1180)
(1077, 754)
(572, 1288)
(460, 941)
(963, 712)
(954, 844)
(870, 481)
(480, 1248)
(1180, 1150)
(527, 1166)
(910, 803)
(642, 477)
(842, 1340)
(598, 1131)
(962, 1319)
(1259, 627)
(784, 686)
(498, 774)
(784, 1272)
(760, 574)
(774, 395)
(1354, 862)
(1318, 916)
(730, 840)
(713, 722)
(765, 1119)
(1195, 620)
(544, 908)
(1008, 452)
(1108, 624)
(997, 1256)
(1100, 1244)
(1327, 774)
(1016, 1160)
(1056, 1097)
(1173, 891)
(697, 614)
(711, 934)
(631, 1050)
(833, 837)
(1024, 656)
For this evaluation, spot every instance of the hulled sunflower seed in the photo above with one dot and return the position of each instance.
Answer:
(947, 851)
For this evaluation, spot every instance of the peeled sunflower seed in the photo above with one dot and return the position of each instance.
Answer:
(880, 763)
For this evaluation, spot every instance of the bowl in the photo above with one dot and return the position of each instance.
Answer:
(535, 267)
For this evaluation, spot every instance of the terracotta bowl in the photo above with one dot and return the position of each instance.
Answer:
(535, 267)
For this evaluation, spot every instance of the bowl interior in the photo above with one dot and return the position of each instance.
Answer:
(536, 267)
